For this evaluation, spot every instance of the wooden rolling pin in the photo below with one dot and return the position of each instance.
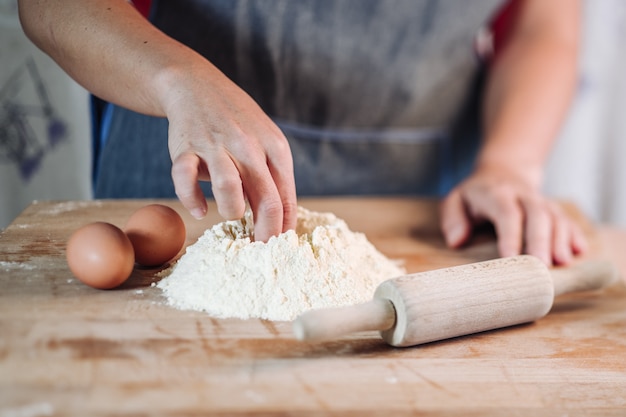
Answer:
(444, 303)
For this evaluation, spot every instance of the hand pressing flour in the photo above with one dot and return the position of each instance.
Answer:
(320, 264)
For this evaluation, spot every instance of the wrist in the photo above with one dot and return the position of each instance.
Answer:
(168, 85)
(524, 171)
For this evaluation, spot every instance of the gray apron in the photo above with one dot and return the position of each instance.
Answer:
(376, 97)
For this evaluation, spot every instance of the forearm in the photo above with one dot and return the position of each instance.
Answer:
(109, 48)
(528, 92)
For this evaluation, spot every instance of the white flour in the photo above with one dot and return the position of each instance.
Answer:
(320, 264)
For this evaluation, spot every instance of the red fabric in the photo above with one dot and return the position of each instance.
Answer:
(143, 6)
(502, 24)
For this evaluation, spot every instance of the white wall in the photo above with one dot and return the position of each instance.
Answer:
(45, 137)
(588, 165)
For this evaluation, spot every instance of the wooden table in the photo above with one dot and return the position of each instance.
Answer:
(70, 350)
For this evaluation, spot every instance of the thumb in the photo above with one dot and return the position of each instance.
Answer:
(455, 222)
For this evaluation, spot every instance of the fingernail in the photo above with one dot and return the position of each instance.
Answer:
(581, 246)
(454, 235)
(198, 212)
(564, 258)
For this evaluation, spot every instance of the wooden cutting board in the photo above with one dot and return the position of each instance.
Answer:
(66, 349)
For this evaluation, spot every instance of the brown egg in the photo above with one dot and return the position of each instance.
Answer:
(157, 233)
(100, 255)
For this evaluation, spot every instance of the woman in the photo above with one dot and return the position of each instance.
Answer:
(336, 97)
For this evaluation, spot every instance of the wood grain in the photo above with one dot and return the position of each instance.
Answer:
(67, 349)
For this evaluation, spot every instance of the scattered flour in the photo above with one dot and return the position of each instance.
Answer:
(29, 410)
(8, 266)
(320, 264)
(65, 206)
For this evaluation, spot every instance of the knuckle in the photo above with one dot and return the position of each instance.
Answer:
(281, 147)
(273, 209)
(509, 210)
(226, 184)
(183, 166)
(290, 209)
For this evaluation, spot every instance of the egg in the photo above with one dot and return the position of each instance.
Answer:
(100, 255)
(157, 233)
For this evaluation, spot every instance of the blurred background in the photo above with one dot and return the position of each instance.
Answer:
(588, 164)
(45, 137)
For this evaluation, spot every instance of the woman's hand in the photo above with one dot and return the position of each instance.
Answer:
(524, 220)
(530, 84)
(218, 133)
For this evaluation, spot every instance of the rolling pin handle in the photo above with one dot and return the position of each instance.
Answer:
(325, 324)
(584, 276)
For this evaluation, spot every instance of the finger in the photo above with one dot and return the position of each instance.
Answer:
(579, 241)
(266, 205)
(508, 219)
(280, 163)
(186, 170)
(539, 229)
(562, 251)
(455, 222)
(262, 194)
(565, 236)
(226, 185)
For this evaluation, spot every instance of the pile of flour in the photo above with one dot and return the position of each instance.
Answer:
(320, 264)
